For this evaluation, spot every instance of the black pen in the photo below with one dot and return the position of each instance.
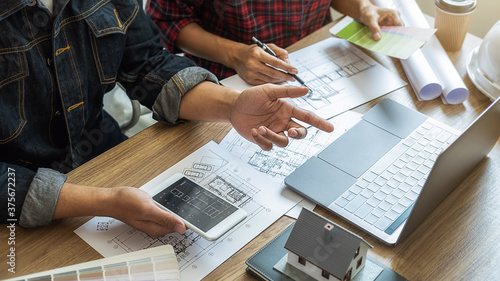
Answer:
(272, 53)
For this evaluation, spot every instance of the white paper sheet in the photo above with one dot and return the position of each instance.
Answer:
(211, 166)
(341, 76)
(454, 90)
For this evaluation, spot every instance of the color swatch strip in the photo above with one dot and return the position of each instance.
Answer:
(396, 41)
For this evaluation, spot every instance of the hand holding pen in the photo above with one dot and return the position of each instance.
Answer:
(256, 66)
(272, 53)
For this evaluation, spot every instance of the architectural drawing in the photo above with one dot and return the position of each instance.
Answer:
(341, 77)
(324, 70)
(218, 171)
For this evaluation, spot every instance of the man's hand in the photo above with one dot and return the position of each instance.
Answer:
(136, 208)
(130, 205)
(262, 115)
(253, 64)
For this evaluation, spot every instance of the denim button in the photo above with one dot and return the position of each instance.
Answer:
(57, 113)
(49, 61)
(32, 3)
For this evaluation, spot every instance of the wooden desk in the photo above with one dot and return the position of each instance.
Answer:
(459, 240)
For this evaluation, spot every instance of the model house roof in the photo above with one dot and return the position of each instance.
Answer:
(323, 243)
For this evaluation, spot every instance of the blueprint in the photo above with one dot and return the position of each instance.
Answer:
(217, 170)
(340, 75)
(281, 161)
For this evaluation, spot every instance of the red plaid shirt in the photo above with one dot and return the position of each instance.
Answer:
(282, 22)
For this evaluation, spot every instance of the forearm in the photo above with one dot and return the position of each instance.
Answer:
(193, 39)
(130, 205)
(208, 102)
(78, 200)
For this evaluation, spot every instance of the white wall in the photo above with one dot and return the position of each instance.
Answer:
(486, 15)
(309, 269)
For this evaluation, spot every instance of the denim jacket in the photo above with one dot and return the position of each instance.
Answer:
(54, 71)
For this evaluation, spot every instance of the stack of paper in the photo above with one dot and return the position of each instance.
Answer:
(158, 263)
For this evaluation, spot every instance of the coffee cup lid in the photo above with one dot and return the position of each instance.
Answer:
(456, 6)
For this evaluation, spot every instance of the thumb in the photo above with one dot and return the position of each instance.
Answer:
(283, 55)
(374, 28)
(167, 220)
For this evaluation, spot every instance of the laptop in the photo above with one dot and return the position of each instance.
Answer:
(389, 171)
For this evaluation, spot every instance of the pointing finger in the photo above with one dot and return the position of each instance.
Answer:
(312, 119)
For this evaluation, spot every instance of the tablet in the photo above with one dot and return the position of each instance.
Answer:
(203, 211)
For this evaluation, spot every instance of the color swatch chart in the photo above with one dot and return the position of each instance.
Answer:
(396, 41)
(159, 263)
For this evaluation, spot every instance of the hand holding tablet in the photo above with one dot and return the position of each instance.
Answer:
(203, 211)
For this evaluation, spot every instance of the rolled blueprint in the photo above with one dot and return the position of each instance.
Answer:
(454, 89)
(431, 56)
(422, 79)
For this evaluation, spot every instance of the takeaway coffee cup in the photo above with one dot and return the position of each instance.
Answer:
(452, 22)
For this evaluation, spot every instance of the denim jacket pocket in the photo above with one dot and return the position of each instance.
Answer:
(14, 68)
(108, 26)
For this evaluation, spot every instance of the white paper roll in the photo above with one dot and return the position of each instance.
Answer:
(422, 79)
(431, 56)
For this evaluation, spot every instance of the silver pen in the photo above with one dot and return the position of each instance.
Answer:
(272, 53)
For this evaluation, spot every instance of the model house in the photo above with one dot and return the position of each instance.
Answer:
(324, 250)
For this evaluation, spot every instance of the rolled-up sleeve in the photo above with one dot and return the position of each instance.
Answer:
(28, 198)
(41, 199)
(166, 107)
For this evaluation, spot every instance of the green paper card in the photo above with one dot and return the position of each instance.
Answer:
(396, 41)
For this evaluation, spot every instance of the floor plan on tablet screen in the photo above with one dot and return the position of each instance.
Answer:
(340, 75)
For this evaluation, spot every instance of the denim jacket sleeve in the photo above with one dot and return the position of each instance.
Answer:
(147, 67)
(28, 198)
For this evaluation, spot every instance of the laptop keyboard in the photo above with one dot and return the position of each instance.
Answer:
(384, 193)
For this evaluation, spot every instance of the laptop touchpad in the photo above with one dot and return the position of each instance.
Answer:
(359, 148)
